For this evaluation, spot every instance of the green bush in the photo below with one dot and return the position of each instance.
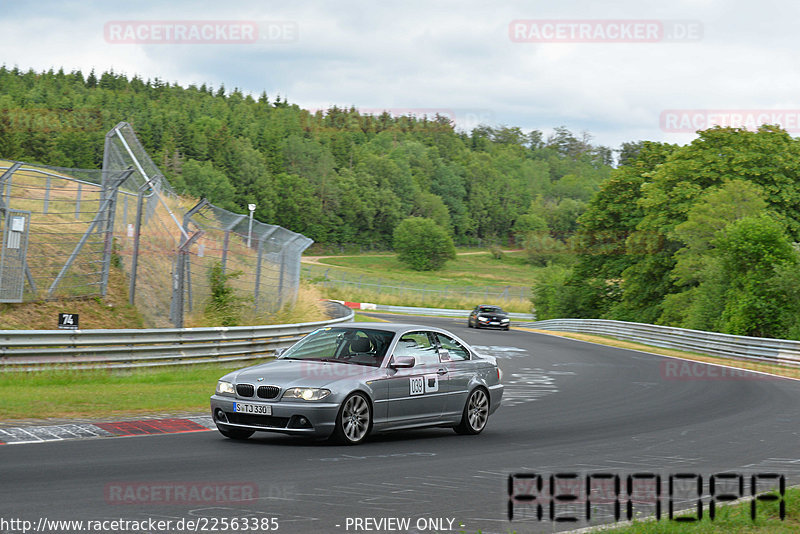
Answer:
(496, 251)
(542, 249)
(223, 306)
(422, 244)
(550, 296)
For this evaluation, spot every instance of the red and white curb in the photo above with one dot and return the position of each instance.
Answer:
(39, 434)
(357, 305)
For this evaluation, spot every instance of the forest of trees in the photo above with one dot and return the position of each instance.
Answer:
(337, 176)
(701, 236)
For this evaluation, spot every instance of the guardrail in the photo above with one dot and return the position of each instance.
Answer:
(436, 312)
(780, 351)
(128, 348)
(443, 312)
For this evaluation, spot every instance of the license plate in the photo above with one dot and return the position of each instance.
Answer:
(494, 322)
(258, 409)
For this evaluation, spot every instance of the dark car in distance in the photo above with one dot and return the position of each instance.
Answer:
(488, 316)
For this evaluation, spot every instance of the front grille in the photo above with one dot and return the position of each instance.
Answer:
(257, 420)
(244, 390)
(268, 392)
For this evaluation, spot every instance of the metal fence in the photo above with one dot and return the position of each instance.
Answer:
(173, 244)
(63, 228)
(130, 348)
(56, 231)
(768, 350)
(332, 278)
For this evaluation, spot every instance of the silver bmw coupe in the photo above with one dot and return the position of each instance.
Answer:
(345, 382)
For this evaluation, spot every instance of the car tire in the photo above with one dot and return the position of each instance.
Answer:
(475, 414)
(235, 433)
(354, 421)
(506, 329)
(469, 323)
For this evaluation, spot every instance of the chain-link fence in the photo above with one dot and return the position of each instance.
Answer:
(169, 246)
(269, 268)
(63, 228)
(56, 239)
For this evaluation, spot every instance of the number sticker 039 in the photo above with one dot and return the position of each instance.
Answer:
(417, 385)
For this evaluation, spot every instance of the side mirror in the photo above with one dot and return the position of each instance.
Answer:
(279, 351)
(402, 362)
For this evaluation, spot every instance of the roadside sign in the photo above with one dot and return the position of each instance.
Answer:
(68, 321)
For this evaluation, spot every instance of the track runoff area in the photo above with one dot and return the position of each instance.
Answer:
(586, 435)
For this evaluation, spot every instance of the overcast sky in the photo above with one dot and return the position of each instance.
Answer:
(646, 70)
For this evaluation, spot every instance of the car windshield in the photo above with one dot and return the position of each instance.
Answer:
(492, 309)
(359, 346)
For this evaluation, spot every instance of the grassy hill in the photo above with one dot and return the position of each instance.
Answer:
(474, 277)
(111, 311)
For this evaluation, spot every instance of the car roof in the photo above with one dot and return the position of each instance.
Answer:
(390, 327)
(401, 328)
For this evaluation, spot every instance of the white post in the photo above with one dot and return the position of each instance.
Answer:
(252, 208)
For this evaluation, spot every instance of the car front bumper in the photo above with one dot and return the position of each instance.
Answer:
(492, 324)
(312, 419)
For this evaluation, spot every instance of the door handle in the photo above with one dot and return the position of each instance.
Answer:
(441, 372)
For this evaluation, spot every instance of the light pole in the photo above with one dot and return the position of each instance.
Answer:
(252, 208)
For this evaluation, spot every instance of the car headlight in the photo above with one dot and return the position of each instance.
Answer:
(309, 394)
(482, 318)
(504, 321)
(225, 388)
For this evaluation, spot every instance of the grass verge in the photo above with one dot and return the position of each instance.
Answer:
(367, 319)
(107, 393)
(734, 518)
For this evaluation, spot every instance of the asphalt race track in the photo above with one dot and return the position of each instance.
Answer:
(569, 407)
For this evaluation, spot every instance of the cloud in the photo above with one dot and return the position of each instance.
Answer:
(445, 55)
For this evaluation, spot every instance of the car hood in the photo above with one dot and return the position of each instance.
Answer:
(305, 373)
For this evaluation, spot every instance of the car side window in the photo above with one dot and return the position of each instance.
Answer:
(456, 350)
(418, 345)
